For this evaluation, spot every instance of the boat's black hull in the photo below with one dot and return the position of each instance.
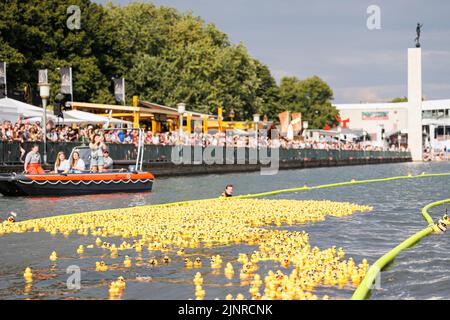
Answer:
(15, 188)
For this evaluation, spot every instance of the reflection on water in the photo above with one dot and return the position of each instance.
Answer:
(419, 273)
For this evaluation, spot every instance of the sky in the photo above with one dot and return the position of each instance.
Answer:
(330, 39)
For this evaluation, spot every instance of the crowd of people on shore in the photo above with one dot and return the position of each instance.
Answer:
(24, 131)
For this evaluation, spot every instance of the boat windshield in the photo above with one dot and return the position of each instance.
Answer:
(85, 155)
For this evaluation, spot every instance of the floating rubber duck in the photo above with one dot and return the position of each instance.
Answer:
(28, 275)
(216, 263)
(198, 280)
(114, 289)
(121, 284)
(98, 242)
(127, 262)
(167, 260)
(198, 263)
(188, 263)
(229, 297)
(101, 266)
(229, 270)
(199, 293)
(180, 252)
(80, 249)
(153, 262)
(53, 256)
(240, 296)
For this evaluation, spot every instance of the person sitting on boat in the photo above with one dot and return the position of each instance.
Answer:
(62, 165)
(108, 161)
(228, 191)
(77, 165)
(97, 147)
(32, 163)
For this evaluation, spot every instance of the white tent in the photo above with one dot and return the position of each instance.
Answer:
(17, 109)
(93, 118)
(12, 110)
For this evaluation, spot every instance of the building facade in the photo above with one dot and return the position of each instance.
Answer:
(381, 120)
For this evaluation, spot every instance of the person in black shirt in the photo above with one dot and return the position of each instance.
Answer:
(228, 191)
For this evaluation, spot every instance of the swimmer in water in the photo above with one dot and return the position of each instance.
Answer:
(11, 217)
(228, 191)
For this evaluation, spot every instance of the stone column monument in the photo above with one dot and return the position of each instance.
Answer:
(415, 141)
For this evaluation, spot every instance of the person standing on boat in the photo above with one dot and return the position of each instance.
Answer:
(32, 163)
(97, 147)
(77, 165)
(62, 165)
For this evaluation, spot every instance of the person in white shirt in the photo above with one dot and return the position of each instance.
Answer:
(77, 165)
(62, 165)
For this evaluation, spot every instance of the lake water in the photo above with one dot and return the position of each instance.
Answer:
(422, 272)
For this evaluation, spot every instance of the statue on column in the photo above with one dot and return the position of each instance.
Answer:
(418, 30)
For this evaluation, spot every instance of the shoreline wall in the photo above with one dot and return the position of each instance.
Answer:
(158, 159)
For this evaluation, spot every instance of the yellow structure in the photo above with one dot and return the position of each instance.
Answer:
(157, 116)
(135, 113)
(220, 118)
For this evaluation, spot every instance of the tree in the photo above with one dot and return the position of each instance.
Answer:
(35, 36)
(312, 97)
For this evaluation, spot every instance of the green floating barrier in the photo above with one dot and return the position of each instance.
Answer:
(366, 285)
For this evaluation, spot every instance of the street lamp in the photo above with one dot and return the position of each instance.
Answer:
(232, 114)
(256, 121)
(181, 109)
(44, 92)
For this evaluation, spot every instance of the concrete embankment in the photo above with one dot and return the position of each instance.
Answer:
(167, 169)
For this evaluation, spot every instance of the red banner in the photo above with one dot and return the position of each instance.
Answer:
(297, 121)
(284, 121)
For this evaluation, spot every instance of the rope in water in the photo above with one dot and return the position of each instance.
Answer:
(342, 184)
(304, 188)
(366, 285)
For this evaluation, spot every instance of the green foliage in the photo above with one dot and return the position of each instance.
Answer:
(399, 99)
(312, 97)
(166, 57)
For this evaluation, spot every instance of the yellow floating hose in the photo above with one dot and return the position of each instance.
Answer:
(341, 184)
(365, 286)
(304, 188)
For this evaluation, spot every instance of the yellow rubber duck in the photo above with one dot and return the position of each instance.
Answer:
(166, 260)
(180, 252)
(240, 296)
(28, 275)
(127, 262)
(98, 242)
(199, 293)
(188, 263)
(101, 266)
(198, 280)
(198, 263)
(53, 256)
(80, 249)
(229, 270)
(153, 262)
(114, 289)
(120, 283)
